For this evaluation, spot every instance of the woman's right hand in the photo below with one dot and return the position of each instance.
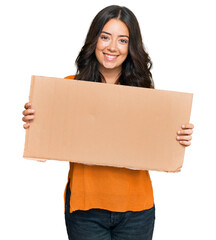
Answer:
(28, 115)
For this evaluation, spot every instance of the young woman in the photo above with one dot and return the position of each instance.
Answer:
(102, 202)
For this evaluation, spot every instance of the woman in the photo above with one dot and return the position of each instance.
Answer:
(106, 202)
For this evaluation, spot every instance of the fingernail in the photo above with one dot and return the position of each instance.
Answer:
(32, 110)
(183, 126)
(178, 137)
(179, 132)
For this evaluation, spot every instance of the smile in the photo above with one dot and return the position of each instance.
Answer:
(110, 57)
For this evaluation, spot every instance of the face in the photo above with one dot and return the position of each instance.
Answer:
(112, 45)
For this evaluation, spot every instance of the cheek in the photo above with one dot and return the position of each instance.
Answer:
(100, 45)
(124, 50)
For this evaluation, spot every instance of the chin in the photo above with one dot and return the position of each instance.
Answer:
(109, 66)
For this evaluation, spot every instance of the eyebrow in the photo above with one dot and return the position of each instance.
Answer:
(111, 34)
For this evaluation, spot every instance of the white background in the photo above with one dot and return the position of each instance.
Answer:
(43, 37)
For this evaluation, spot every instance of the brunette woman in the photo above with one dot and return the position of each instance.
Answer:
(102, 202)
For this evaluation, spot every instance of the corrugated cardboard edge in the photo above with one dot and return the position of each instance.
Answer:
(101, 164)
(29, 129)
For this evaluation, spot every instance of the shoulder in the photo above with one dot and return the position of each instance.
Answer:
(70, 77)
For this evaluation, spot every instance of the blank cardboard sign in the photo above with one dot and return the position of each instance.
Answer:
(106, 124)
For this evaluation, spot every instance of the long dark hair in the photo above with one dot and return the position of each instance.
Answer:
(137, 65)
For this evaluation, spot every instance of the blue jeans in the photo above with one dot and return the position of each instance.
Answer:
(100, 224)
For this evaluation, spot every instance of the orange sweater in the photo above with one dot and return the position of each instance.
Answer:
(110, 188)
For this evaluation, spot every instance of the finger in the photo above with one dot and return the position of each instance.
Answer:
(185, 132)
(27, 105)
(28, 112)
(28, 118)
(184, 138)
(185, 143)
(26, 125)
(187, 126)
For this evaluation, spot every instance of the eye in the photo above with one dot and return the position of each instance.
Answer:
(123, 41)
(104, 37)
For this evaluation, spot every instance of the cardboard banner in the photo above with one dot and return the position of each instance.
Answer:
(106, 124)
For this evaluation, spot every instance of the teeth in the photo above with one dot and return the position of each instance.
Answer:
(110, 57)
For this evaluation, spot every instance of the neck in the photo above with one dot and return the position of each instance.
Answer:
(110, 76)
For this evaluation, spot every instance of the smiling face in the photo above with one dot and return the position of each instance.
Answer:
(112, 46)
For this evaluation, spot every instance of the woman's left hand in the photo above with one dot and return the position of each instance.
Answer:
(184, 135)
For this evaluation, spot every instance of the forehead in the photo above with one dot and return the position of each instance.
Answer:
(116, 27)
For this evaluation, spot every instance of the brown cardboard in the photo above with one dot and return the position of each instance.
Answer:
(106, 124)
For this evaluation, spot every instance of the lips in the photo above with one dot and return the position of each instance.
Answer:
(110, 57)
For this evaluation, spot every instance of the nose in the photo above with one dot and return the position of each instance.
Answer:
(112, 46)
